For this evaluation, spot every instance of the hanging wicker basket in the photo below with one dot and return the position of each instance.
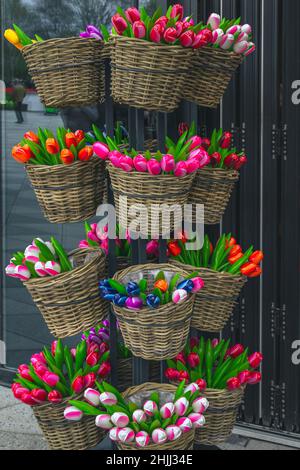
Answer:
(152, 192)
(220, 416)
(68, 193)
(154, 334)
(70, 302)
(125, 373)
(67, 72)
(210, 75)
(214, 304)
(67, 435)
(212, 187)
(166, 392)
(148, 75)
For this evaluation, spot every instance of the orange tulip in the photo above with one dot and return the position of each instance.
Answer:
(32, 137)
(71, 140)
(21, 154)
(79, 136)
(67, 157)
(162, 285)
(52, 146)
(85, 154)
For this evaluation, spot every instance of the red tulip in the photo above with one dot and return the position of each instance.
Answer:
(103, 348)
(89, 380)
(231, 160)
(27, 399)
(255, 273)
(172, 374)
(132, 15)
(183, 127)
(193, 360)
(180, 357)
(215, 158)
(80, 135)
(196, 142)
(244, 377)
(170, 35)
(139, 29)
(162, 21)
(256, 257)
(254, 378)
(21, 154)
(187, 38)
(71, 139)
(119, 23)
(78, 384)
(55, 396)
(177, 11)
(202, 384)
(205, 143)
(179, 28)
(53, 347)
(194, 342)
(86, 153)
(52, 146)
(233, 383)
(24, 372)
(92, 359)
(183, 375)
(235, 351)
(255, 360)
(67, 157)
(32, 137)
(225, 141)
(18, 390)
(39, 395)
(50, 379)
(156, 33)
(40, 369)
(242, 161)
(104, 369)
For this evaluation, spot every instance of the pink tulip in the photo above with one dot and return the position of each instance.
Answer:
(24, 372)
(154, 166)
(126, 435)
(101, 149)
(55, 396)
(198, 284)
(240, 47)
(180, 169)
(39, 268)
(39, 395)
(50, 379)
(234, 29)
(177, 11)
(52, 268)
(32, 254)
(167, 410)
(179, 28)
(246, 28)
(159, 436)
(108, 399)
(173, 432)
(40, 369)
(139, 29)
(192, 165)
(156, 33)
(227, 41)
(114, 157)
(120, 420)
(199, 41)
(23, 273)
(215, 342)
(250, 50)
(194, 387)
(53, 347)
(170, 35)
(217, 35)
(187, 38)
(162, 21)
(103, 422)
(126, 163)
(119, 23)
(38, 359)
(214, 21)
(72, 413)
(140, 163)
(197, 419)
(152, 248)
(10, 270)
(181, 406)
(73, 352)
(244, 377)
(195, 141)
(167, 163)
(83, 244)
(200, 405)
(27, 399)
(185, 424)
(233, 383)
(139, 416)
(142, 439)
(132, 15)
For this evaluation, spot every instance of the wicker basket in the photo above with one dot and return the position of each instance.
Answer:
(211, 72)
(125, 371)
(154, 334)
(220, 416)
(214, 304)
(185, 442)
(212, 187)
(152, 192)
(67, 72)
(68, 193)
(67, 435)
(148, 75)
(70, 302)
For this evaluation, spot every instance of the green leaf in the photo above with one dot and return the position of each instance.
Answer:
(117, 286)
(160, 276)
(24, 39)
(105, 32)
(174, 282)
(38, 38)
(179, 391)
(86, 408)
(45, 251)
(109, 388)
(62, 255)
(143, 285)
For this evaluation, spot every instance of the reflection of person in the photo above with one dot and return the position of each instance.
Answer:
(18, 95)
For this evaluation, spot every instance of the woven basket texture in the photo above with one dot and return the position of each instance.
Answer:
(152, 192)
(210, 75)
(70, 302)
(214, 304)
(212, 187)
(125, 373)
(67, 72)
(154, 334)
(185, 442)
(220, 416)
(68, 193)
(67, 435)
(148, 75)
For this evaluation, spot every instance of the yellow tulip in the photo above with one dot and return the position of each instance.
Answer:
(12, 37)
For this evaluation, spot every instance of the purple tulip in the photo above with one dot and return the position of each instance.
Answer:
(91, 32)
(101, 150)
(168, 163)
(140, 163)
(154, 167)
(134, 303)
(180, 169)
(126, 163)
(106, 323)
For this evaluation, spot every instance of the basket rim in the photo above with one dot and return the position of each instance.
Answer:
(211, 271)
(209, 169)
(62, 276)
(151, 44)
(93, 159)
(58, 40)
(148, 176)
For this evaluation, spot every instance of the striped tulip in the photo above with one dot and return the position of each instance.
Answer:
(52, 146)
(226, 41)
(39, 395)
(85, 154)
(71, 139)
(173, 432)
(32, 254)
(181, 406)
(92, 396)
(126, 163)
(140, 163)
(150, 407)
(67, 157)
(103, 422)
(159, 436)
(55, 396)
(185, 424)
(234, 29)
(193, 388)
(139, 29)
(154, 167)
(101, 150)
(79, 136)
(242, 37)
(240, 47)
(250, 50)
(214, 21)
(72, 413)
(113, 434)
(167, 410)
(200, 405)
(197, 419)
(179, 296)
(246, 28)
(180, 169)
(52, 268)
(120, 420)
(167, 163)
(142, 439)
(139, 416)
(108, 399)
(126, 435)
(10, 270)
(39, 268)
(217, 35)
(22, 273)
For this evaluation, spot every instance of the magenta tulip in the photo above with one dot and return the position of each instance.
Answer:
(227, 41)
(234, 29)
(156, 33)
(177, 11)
(254, 378)
(40, 369)
(139, 29)
(39, 395)
(192, 165)
(233, 383)
(78, 384)
(24, 372)
(140, 163)
(214, 21)
(119, 23)
(198, 284)
(53, 347)
(255, 360)
(50, 379)
(180, 169)
(167, 163)
(195, 141)
(101, 150)
(152, 248)
(38, 359)
(132, 15)
(162, 21)
(193, 360)
(187, 38)
(215, 342)
(126, 163)
(244, 377)
(179, 28)
(154, 166)
(199, 41)
(170, 35)
(114, 157)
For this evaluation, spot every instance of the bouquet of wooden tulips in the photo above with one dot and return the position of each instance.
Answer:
(44, 148)
(99, 238)
(142, 421)
(96, 135)
(168, 287)
(218, 147)
(214, 364)
(40, 259)
(54, 375)
(227, 256)
(19, 39)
